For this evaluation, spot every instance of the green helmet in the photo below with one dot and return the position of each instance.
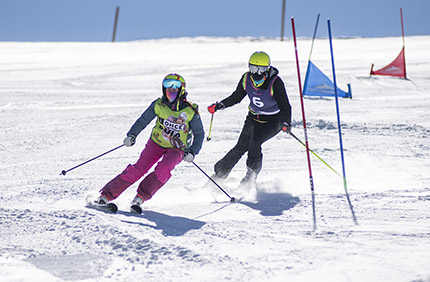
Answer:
(260, 58)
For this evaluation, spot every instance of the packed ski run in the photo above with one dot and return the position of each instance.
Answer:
(64, 103)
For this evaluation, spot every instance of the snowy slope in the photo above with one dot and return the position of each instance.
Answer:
(64, 103)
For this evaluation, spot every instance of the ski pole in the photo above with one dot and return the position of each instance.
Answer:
(66, 171)
(295, 137)
(210, 128)
(232, 199)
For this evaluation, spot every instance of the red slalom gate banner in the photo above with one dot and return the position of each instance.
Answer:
(396, 68)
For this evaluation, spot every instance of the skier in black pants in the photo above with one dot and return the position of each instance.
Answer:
(269, 113)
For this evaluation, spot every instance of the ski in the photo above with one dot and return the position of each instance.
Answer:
(136, 209)
(109, 207)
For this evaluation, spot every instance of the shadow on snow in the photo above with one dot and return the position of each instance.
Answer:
(272, 204)
(169, 225)
(269, 204)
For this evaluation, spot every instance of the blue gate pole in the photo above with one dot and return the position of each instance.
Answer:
(338, 122)
(313, 38)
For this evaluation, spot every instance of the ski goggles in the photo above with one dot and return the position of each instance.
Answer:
(257, 69)
(172, 83)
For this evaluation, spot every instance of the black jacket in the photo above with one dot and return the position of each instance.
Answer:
(280, 96)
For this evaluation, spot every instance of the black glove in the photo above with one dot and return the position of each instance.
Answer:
(286, 127)
(215, 107)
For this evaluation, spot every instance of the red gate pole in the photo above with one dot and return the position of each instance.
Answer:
(304, 124)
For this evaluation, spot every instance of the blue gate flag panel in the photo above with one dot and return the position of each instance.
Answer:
(317, 84)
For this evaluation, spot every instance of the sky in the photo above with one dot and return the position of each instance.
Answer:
(83, 20)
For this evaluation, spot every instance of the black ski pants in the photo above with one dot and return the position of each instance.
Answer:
(253, 135)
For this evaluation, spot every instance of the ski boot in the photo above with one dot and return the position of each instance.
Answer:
(249, 179)
(136, 204)
(103, 203)
(248, 186)
(102, 200)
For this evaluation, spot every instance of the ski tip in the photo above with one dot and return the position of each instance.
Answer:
(136, 209)
(112, 207)
(109, 207)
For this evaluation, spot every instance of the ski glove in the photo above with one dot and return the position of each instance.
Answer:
(188, 156)
(215, 107)
(286, 127)
(129, 140)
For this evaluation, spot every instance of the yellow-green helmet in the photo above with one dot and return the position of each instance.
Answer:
(175, 76)
(259, 65)
(175, 83)
(260, 58)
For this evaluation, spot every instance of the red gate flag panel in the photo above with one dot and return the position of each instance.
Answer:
(396, 68)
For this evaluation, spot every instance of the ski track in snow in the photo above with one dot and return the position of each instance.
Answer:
(64, 103)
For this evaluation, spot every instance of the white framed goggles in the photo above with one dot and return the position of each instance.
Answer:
(257, 69)
(172, 83)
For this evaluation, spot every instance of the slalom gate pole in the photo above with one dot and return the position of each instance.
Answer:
(338, 122)
(403, 38)
(313, 38)
(66, 171)
(403, 30)
(304, 125)
(312, 47)
(210, 128)
(295, 137)
(232, 199)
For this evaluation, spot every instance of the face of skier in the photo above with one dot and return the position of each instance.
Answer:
(171, 94)
(258, 74)
(172, 88)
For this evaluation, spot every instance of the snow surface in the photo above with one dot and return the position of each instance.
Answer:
(64, 103)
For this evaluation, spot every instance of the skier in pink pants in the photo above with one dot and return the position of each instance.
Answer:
(178, 121)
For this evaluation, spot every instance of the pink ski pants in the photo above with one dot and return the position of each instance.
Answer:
(152, 153)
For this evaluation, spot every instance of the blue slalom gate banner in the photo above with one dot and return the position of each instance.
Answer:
(317, 84)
